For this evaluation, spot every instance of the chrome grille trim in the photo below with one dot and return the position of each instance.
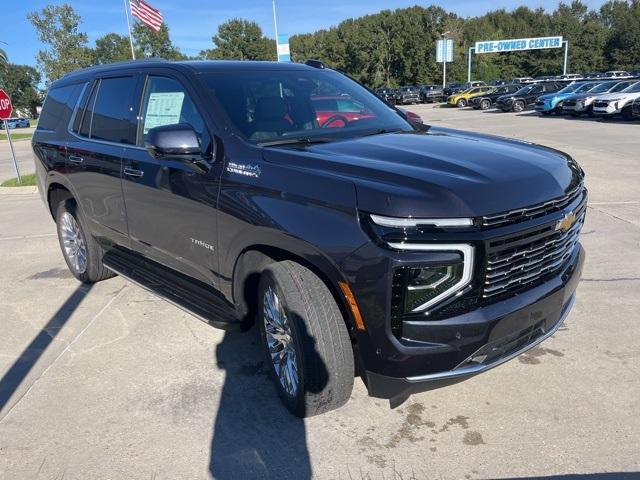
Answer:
(512, 268)
(522, 214)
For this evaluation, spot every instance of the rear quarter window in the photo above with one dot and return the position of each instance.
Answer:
(112, 111)
(58, 107)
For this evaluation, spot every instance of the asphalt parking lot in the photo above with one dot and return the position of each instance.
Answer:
(109, 382)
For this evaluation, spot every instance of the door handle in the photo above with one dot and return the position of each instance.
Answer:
(132, 172)
(75, 159)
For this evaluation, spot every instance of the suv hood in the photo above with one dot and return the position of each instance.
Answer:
(582, 96)
(439, 173)
(618, 96)
(556, 96)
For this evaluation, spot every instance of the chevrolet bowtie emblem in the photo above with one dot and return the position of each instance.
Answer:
(566, 222)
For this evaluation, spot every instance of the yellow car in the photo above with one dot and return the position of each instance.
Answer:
(461, 99)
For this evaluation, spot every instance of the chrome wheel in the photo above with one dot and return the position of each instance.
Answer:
(518, 106)
(75, 248)
(280, 342)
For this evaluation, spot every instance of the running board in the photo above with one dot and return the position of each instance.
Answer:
(192, 296)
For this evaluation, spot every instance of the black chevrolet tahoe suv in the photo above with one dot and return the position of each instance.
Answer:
(410, 256)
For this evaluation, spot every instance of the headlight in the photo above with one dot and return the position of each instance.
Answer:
(424, 286)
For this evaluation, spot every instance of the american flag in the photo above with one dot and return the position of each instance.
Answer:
(148, 15)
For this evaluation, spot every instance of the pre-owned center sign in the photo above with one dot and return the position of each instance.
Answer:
(518, 44)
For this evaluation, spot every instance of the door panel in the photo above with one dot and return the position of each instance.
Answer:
(94, 154)
(171, 205)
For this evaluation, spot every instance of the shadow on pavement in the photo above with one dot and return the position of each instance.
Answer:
(30, 355)
(254, 435)
(586, 476)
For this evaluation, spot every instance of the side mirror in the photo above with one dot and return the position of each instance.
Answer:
(177, 140)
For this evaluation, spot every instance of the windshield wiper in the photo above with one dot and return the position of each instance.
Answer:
(296, 141)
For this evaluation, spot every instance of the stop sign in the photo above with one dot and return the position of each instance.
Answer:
(5, 105)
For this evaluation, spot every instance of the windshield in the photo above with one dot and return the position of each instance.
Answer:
(603, 87)
(635, 88)
(524, 90)
(574, 87)
(585, 87)
(621, 86)
(271, 105)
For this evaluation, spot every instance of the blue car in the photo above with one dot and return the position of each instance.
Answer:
(552, 102)
(17, 123)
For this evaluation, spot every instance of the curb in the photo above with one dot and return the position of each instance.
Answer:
(18, 190)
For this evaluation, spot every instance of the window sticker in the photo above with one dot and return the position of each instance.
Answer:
(163, 108)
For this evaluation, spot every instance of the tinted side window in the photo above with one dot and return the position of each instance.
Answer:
(75, 128)
(59, 106)
(166, 102)
(85, 127)
(112, 111)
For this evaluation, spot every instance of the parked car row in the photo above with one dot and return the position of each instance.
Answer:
(411, 94)
(585, 97)
(16, 123)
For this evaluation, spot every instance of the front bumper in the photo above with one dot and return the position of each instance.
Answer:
(547, 106)
(501, 332)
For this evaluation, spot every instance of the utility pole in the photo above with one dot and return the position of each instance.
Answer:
(275, 27)
(445, 51)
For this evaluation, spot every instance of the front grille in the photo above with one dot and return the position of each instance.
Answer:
(601, 104)
(525, 259)
(535, 211)
(539, 104)
(569, 103)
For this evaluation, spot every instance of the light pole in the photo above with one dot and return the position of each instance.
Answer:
(275, 27)
(445, 50)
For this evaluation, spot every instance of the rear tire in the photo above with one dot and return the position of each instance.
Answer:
(80, 250)
(305, 340)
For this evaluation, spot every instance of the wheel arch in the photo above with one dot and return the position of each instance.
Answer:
(252, 261)
(57, 193)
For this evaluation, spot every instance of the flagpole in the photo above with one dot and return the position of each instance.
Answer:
(127, 6)
(275, 25)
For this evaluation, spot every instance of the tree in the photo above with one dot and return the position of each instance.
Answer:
(57, 28)
(111, 48)
(240, 39)
(152, 44)
(21, 83)
(623, 45)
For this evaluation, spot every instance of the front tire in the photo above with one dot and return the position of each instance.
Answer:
(461, 103)
(305, 338)
(518, 106)
(81, 252)
(485, 104)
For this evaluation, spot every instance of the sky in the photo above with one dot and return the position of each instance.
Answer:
(192, 23)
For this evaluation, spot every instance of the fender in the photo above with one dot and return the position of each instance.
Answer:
(52, 179)
(252, 258)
